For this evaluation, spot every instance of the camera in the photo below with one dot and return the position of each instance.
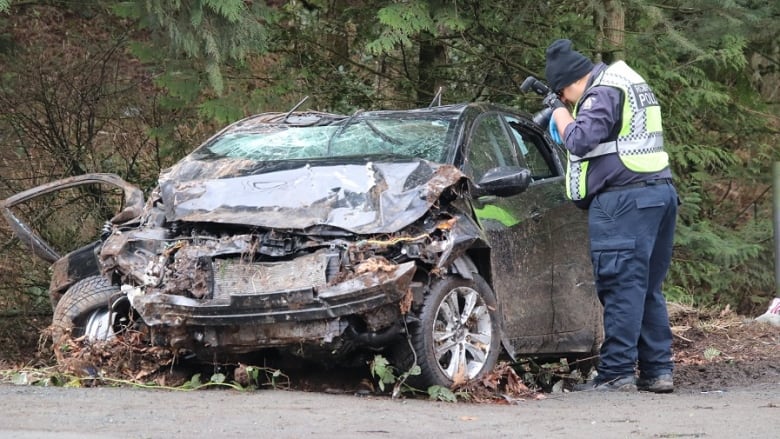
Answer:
(536, 85)
(542, 117)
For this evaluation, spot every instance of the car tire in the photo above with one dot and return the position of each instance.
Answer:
(453, 348)
(89, 307)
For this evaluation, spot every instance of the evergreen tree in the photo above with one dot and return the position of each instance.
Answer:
(713, 64)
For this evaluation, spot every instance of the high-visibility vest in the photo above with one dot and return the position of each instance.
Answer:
(640, 143)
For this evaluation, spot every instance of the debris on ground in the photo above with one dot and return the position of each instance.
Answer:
(713, 350)
(127, 357)
(717, 349)
(501, 386)
(772, 314)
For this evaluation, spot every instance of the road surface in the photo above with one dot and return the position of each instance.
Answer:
(104, 412)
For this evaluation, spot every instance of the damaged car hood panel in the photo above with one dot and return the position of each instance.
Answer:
(360, 198)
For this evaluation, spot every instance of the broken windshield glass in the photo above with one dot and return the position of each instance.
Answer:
(414, 138)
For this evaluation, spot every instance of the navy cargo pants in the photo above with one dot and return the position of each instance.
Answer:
(631, 236)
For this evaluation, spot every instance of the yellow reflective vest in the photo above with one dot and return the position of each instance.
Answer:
(639, 143)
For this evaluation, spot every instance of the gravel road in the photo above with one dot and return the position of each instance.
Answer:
(104, 412)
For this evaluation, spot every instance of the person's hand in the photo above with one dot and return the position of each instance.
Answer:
(552, 101)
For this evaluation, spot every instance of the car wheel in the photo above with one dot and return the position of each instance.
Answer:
(458, 335)
(91, 307)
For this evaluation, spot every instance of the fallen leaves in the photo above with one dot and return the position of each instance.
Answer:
(129, 356)
(502, 385)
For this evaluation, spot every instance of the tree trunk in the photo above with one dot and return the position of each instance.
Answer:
(611, 25)
(432, 55)
(338, 40)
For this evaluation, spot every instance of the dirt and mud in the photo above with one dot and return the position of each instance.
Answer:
(719, 349)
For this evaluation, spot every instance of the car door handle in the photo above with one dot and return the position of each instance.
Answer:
(536, 215)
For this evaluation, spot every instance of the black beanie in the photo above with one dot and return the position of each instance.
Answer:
(565, 66)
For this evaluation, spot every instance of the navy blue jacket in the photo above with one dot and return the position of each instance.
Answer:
(599, 120)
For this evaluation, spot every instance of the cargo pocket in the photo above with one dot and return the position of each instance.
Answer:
(610, 258)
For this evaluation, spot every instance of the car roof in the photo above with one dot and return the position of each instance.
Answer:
(318, 118)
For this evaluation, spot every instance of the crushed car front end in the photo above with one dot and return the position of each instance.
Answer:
(234, 255)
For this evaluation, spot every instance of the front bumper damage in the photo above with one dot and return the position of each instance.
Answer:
(247, 313)
(354, 296)
(247, 292)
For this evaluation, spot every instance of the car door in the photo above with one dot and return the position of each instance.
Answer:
(86, 197)
(538, 239)
(574, 318)
(518, 235)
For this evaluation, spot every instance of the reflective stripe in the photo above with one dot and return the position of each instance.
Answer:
(576, 179)
(652, 144)
(645, 163)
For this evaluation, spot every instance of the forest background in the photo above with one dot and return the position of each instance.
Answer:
(131, 87)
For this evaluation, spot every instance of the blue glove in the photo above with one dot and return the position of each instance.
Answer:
(553, 129)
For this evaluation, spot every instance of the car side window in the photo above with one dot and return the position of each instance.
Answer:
(533, 150)
(490, 146)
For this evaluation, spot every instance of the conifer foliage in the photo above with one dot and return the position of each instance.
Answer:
(211, 32)
(714, 66)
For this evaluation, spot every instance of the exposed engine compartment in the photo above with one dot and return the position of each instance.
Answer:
(231, 289)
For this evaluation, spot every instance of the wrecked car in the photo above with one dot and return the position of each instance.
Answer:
(440, 237)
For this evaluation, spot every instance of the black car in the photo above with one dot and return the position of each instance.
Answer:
(438, 236)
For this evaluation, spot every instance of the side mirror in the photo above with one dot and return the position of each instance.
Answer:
(504, 181)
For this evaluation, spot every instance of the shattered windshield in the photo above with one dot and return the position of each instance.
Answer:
(425, 138)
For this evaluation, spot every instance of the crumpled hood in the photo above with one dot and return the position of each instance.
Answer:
(360, 198)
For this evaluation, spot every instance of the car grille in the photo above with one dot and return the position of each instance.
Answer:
(232, 276)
